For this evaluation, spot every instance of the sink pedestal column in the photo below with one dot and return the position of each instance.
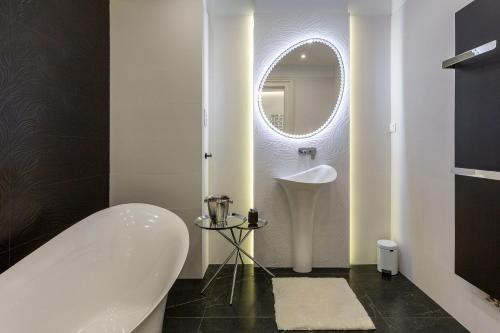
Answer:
(302, 191)
(302, 204)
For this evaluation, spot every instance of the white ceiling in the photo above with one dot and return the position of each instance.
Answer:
(374, 7)
(229, 7)
(370, 7)
(356, 7)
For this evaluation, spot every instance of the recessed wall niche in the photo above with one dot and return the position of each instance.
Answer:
(276, 28)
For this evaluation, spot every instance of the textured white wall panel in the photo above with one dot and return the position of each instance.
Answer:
(277, 27)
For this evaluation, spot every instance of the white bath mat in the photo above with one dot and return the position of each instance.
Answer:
(318, 304)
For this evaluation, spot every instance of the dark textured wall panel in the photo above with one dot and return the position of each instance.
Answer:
(54, 119)
(477, 232)
(477, 111)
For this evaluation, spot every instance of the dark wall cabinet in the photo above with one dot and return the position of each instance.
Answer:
(477, 146)
(477, 230)
(477, 117)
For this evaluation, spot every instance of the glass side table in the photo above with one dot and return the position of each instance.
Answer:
(239, 222)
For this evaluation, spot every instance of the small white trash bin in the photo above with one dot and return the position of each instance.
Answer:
(387, 256)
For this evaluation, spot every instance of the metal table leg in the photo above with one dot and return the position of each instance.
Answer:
(245, 252)
(240, 242)
(224, 263)
(235, 269)
(218, 271)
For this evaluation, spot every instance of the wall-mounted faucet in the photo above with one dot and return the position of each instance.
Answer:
(308, 151)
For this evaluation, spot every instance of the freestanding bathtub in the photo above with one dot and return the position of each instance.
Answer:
(108, 273)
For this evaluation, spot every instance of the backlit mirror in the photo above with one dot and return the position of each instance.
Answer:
(301, 91)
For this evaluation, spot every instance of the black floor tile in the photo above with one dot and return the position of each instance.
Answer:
(369, 306)
(395, 305)
(190, 309)
(424, 325)
(184, 299)
(240, 325)
(181, 325)
(368, 279)
(406, 304)
(380, 324)
(252, 298)
(184, 291)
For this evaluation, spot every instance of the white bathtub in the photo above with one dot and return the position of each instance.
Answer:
(108, 273)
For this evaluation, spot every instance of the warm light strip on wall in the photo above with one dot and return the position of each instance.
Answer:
(352, 149)
(205, 234)
(250, 121)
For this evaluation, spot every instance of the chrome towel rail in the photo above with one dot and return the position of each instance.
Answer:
(450, 63)
(493, 175)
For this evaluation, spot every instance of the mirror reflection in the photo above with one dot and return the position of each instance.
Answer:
(301, 92)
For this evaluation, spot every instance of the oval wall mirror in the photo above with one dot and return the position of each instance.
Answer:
(301, 91)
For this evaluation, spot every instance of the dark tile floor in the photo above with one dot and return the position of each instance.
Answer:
(395, 305)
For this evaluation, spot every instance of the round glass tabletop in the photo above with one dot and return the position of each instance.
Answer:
(261, 223)
(205, 222)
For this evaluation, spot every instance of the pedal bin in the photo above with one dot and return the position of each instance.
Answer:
(387, 256)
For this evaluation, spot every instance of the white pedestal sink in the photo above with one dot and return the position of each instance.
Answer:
(302, 191)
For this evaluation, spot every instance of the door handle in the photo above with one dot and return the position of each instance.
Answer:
(207, 155)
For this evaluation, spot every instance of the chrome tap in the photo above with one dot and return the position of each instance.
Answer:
(308, 151)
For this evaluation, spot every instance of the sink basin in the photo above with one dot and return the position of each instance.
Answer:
(302, 191)
(310, 179)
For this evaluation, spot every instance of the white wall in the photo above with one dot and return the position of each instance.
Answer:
(230, 110)
(423, 35)
(156, 109)
(278, 25)
(370, 138)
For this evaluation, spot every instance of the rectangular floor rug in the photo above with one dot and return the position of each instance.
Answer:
(318, 304)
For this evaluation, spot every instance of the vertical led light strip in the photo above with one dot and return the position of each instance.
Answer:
(352, 150)
(250, 120)
(250, 41)
(205, 235)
